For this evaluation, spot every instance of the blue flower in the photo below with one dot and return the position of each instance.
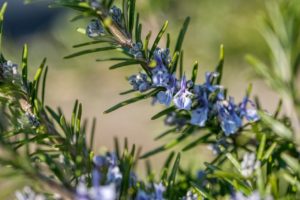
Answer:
(190, 196)
(208, 80)
(165, 97)
(174, 119)
(94, 29)
(249, 113)
(139, 82)
(114, 175)
(230, 121)
(116, 14)
(162, 56)
(100, 161)
(160, 76)
(143, 196)
(182, 99)
(200, 114)
(96, 178)
(95, 4)
(105, 192)
(254, 196)
(159, 190)
(136, 50)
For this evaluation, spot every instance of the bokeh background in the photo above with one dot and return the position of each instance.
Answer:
(49, 33)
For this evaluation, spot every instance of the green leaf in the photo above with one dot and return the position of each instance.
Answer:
(168, 41)
(103, 39)
(25, 65)
(278, 127)
(220, 66)
(124, 64)
(2, 12)
(132, 100)
(292, 162)
(36, 80)
(127, 92)
(88, 51)
(93, 130)
(44, 85)
(201, 191)
(168, 160)
(291, 179)
(195, 143)
(172, 177)
(165, 133)
(146, 44)
(261, 147)
(125, 13)
(173, 63)
(270, 151)
(163, 112)
(182, 34)
(181, 64)
(278, 109)
(131, 15)
(234, 161)
(194, 72)
(113, 59)
(138, 28)
(81, 6)
(158, 37)
(186, 132)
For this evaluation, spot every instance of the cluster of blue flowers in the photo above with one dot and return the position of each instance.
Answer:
(204, 101)
(106, 182)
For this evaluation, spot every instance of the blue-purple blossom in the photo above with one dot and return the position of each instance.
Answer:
(136, 50)
(96, 177)
(190, 196)
(254, 196)
(228, 116)
(106, 192)
(139, 82)
(114, 175)
(159, 190)
(95, 4)
(160, 76)
(183, 98)
(200, 114)
(208, 80)
(94, 29)
(116, 14)
(28, 194)
(165, 97)
(162, 57)
(174, 119)
(141, 195)
(100, 161)
(249, 164)
(249, 113)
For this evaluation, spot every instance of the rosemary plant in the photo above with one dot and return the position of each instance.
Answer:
(256, 153)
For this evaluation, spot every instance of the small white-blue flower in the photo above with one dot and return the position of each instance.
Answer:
(183, 98)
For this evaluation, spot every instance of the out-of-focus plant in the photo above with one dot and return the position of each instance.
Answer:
(280, 28)
(256, 154)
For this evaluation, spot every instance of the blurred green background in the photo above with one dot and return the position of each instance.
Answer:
(49, 33)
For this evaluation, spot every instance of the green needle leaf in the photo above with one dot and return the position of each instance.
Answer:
(25, 65)
(80, 53)
(158, 37)
(132, 100)
(182, 34)
(163, 112)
